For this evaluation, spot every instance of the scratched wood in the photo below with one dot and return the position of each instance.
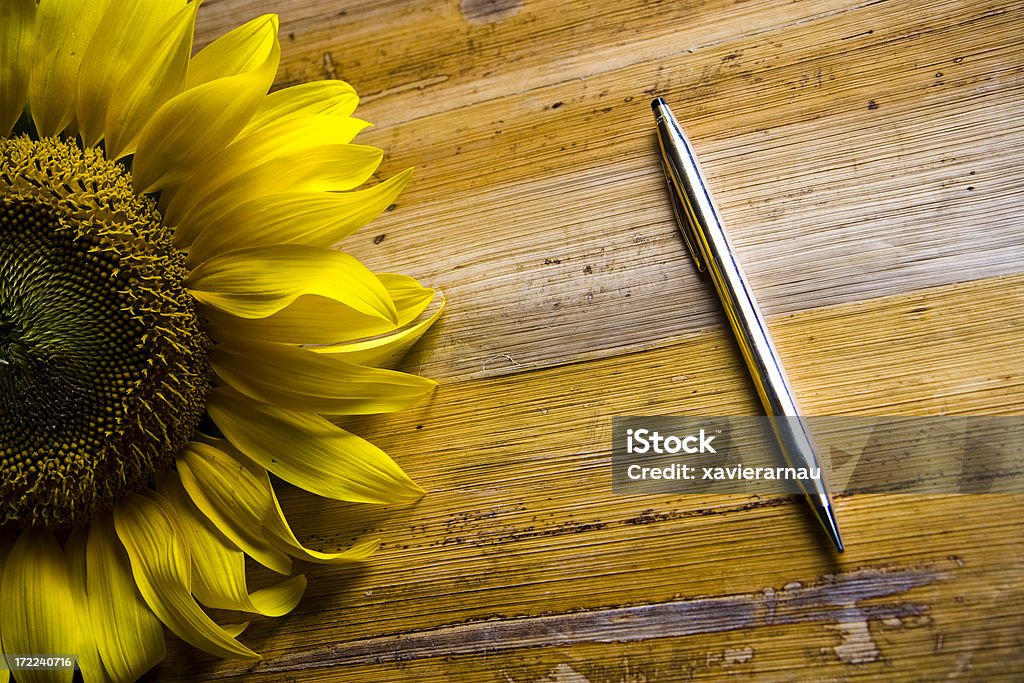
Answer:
(520, 558)
(866, 196)
(868, 159)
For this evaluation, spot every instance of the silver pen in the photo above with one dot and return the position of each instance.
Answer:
(702, 229)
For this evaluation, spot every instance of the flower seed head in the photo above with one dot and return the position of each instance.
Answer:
(103, 369)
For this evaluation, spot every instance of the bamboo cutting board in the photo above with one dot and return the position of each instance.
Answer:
(868, 158)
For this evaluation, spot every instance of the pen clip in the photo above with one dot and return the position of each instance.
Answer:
(683, 218)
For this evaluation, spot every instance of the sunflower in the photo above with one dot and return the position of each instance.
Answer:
(175, 326)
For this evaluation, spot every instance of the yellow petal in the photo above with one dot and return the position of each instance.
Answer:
(135, 88)
(218, 566)
(160, 563)
(385, 349)
(241, 50)
(309, 319)
(319, 219)
(317, 320)
(129, 637)
(326, 168)
(310, 452)
(229, 494)
(238, 173)
(5, 548)
(17, 35)
(235, 488)
(191, 128)
(281, 533)
(88, 655)
(258, 282)
(235, 630)
(322, 107)
(410, 297)
(296, 134)
(127, 30)
(334, 98)
(287, 109)
(299, 379)
(35, 601)
(63, 31)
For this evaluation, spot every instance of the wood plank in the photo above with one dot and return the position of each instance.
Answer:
(520, 524)
(429, 57)
(867, 157)
(566, 247)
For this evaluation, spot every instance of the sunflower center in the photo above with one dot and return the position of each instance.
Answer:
(103, 367)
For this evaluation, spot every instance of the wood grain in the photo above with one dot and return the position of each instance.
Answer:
(520, 522)
(575, 235)
(867, 157)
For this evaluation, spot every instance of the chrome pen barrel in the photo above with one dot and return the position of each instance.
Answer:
(704, 233)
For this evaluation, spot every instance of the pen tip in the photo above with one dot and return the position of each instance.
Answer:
(658, 102)
(828, 520)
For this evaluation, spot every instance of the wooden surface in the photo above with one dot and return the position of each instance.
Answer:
(868, 158)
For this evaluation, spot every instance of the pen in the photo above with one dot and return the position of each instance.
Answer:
(704, 234)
